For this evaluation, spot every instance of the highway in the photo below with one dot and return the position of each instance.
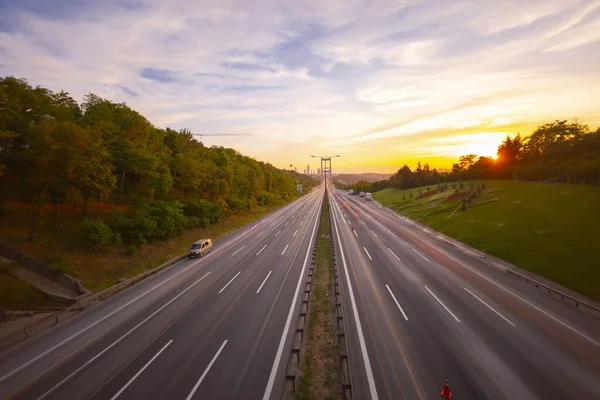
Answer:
(418, 309)
(217, 327)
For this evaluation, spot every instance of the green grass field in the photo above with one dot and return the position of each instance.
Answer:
(551, 230)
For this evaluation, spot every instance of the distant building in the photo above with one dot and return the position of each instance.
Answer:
(308, 169)
(295, 169)
(318, 171)
(304, 172)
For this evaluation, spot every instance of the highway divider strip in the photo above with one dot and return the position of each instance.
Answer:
(296, 366)
(292, 370)
(346, 379)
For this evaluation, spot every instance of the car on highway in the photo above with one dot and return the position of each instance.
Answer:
(200, 248)
(362, 194)
(368, 196)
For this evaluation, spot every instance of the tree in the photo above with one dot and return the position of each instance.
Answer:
(465, 162)
(509, 150)
(557, 133)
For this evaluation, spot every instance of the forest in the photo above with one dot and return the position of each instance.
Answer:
(55, 151)
(557, 152)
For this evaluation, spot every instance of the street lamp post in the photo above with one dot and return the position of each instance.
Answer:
(324, 170)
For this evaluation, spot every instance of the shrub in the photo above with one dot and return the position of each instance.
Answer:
(266, 199)
(98, 233)
(205, 211)
(235, 204)
(131, 249)
(137, 230)
(169, 218)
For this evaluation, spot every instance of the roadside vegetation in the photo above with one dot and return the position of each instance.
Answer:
(67, 249)
(548, 229)
(97, 191)
(320, 372)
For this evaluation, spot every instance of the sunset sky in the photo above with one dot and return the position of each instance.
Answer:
(381, 83)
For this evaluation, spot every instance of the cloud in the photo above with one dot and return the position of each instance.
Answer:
(578, 37)
(159, 75)
(247, 66)
(127, 91)
(385, 76)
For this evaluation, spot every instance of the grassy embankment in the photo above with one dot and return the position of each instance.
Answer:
(16, 294)
(548, 229)
(65, 249)
(319, 363)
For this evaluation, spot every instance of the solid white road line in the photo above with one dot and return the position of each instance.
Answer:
(225, 287)
(288, 322)
(235, 252)
(520, 298)
(206, 371)
(422, 256)
(277, 233)
(113, 344)
(356, 234)
(374, 233)
(443, 305)
(262, 284)
(260, 251)
(361, 336)
(490, 307)
(458, 261)
(397, 258)
(295, 232)
(141, 370)
(286, 246)
(367, 253)
(396, 301)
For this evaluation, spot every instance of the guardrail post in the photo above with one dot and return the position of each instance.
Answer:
(292, 378)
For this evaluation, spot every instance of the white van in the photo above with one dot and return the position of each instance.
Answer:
(368, 196)
(200, 248)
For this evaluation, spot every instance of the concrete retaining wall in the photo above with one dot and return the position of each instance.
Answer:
(43, 270)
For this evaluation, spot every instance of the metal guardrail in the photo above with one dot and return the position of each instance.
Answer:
(80, 305)
(553, 292)
(346, 377)
(292, 369)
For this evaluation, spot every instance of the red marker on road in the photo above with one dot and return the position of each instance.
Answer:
(446, 393)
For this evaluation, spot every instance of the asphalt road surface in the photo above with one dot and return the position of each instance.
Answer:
(417, 309)
(210, 328)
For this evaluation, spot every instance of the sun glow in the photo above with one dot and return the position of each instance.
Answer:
(482, 144)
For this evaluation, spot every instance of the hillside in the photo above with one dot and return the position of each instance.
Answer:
(100, 193)
(548, 229)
